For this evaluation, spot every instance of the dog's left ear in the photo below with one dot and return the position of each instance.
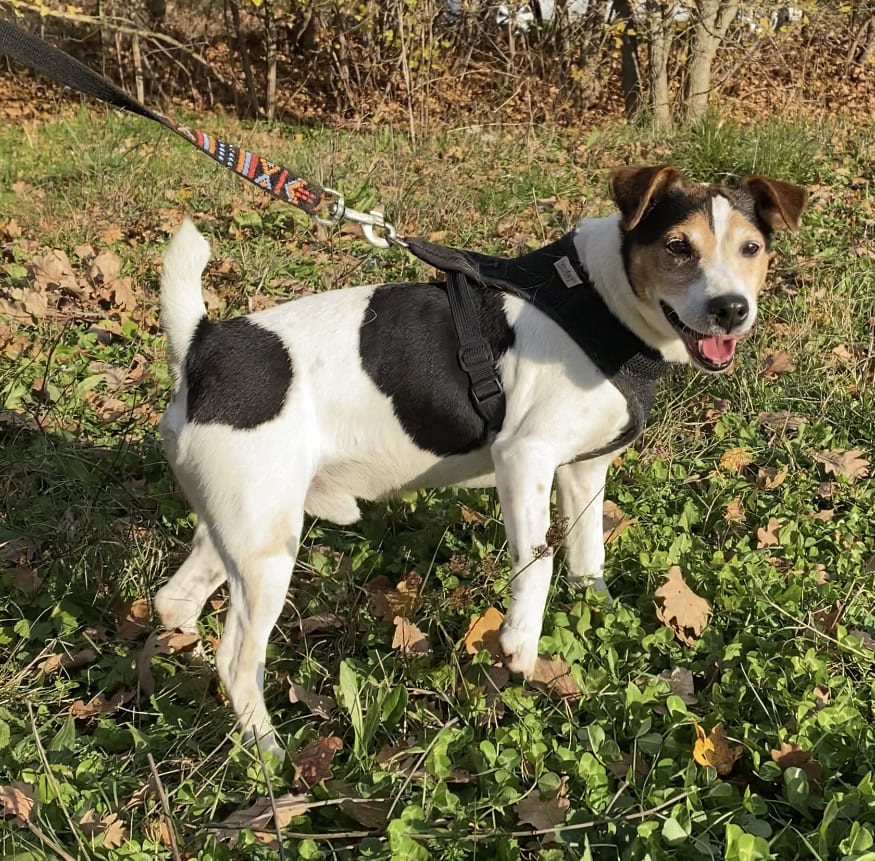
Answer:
(779, 204)
(634, 189)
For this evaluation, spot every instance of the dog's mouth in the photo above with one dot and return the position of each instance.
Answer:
(711, 352)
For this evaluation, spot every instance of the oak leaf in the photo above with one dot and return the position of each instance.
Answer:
(483, 633)
(259, 816)
(681, 684)
(18, 800)
(132, 618)
(52, 269)
(161, 643)
(614, 522)
(849, 463)
(66, 661)
(320, 706)
(100, 705)
(403, 600)
(770, 478)
(714, 749)
(791, 755)
(110, 827)
(769, 536)
(781, 422)
(408, 638)
(682, 610)
(735, 459)
(320, 622)
(541, 814)
(777, 363)
(313, 761)
(554, 673)
(735, 511)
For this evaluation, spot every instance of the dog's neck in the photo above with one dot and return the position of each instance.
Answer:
(598, 244)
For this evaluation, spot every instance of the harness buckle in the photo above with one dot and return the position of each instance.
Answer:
(370, 221)
(474, 357)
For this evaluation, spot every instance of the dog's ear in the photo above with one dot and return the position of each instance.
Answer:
(779, 204)
(634, 189)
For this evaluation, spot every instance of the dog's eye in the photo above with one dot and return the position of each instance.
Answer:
(750, 249)
(679, 247)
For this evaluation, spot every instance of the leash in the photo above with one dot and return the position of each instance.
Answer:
(276, 180)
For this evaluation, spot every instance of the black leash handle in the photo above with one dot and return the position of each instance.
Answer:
(276, 180)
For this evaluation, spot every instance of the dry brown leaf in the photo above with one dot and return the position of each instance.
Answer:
(18, 800)
(821, 698)
(84, 252)
(781, 422)
(111, 234)
(52, 269)
(469, 515)
(614, 522)
(66, 661)
(554, 673)
(777, 363)
(682, 610)
(320, 622)
(541, 814)
(104, 268)
(681, 684)
(483, 633)
(259, 817)
(19, 551)
(408, 638)
(735, 511)
(404, 600)
(791, 755)
(110, 827)
(866, 640)
(825, 514)
(769, 536)
(368, 812)
(639, 764)
(714, 749)
(822, 575)
(770, 478)
(25, 578)
(735, 459)
(132, 618)
(318, 705)
(313, 761)
(849, 463)
(34, 303)
(100, 705)
(161, 643)
(829, 617)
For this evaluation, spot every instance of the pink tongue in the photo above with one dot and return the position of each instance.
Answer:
(718, 348)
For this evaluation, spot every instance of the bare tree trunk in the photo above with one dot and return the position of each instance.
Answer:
(244, 58)
(712, 21)
(270, 50)
(630, 73)
(659, 48)
(138, 68)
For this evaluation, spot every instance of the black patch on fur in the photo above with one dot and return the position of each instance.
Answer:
(237, 373)
(742, 200)
(408, 347)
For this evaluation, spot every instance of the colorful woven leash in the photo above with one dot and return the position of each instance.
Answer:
(273, 178)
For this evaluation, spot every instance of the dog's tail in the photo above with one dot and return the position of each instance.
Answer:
(182, 306)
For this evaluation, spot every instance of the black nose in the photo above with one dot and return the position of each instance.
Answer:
(728, 311)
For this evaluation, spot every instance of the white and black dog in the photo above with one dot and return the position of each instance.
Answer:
(358, 394)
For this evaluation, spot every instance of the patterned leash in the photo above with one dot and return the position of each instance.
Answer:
(273, 178)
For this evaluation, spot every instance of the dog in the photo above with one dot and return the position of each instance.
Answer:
(356, 394)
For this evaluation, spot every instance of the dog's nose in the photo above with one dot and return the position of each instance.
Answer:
(728, 311)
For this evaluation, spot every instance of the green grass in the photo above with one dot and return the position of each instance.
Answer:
(99, 519)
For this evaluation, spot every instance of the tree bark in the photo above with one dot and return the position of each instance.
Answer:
(630, 73)
(244, 58)
(713, 18)
(658, 50)
(270, 50)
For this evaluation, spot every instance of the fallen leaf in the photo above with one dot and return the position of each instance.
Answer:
(110, 827)
(821, 698)
(259, 816)
(541, 814)
(781, 421)
(825, 514)
(160, 643)
(18, 801)
(770, 478)
(368, 812)
(483, 633)
(714, 749)
(313, 761)
(26, 579)
(554, 673)
(822, 574)
(735, 459)
(681, 684)
(469, 515)
(849, 463)
(52, 269)
(66, 661)
(777, 363)
(132, 619)
(321, 622)
(17, 550)
(639, 764)
(791, 755)
(318, 705)
(34, 303)
(408, 638)
(104, 268)
(866, 640)
(404, 600)
(111, 234)
(682, 609)
(100, 705)
(769, 536)
(614, 522)
(829, 617)
(735, 511)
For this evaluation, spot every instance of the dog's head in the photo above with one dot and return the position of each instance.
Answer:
(696, 255)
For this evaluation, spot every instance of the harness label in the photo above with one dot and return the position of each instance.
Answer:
(567, 272)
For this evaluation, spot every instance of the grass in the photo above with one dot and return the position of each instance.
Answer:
(91, 509)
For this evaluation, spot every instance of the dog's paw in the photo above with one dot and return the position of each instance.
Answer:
(267, 744)
(176, 613)
(520, 646)
(595, 582)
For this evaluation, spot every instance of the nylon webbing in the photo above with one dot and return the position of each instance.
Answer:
(272, 178)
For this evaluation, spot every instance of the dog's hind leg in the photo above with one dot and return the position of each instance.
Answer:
(180, 601)
(261, 556)
(580, 491)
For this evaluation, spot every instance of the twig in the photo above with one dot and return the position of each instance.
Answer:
(50, 776)
(46, 840)
(416, 766)
(276, 816)
(159, 786)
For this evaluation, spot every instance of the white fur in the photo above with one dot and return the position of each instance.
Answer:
(337, 440)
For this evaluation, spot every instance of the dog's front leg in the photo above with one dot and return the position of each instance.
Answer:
(523, 478)
(580, 491)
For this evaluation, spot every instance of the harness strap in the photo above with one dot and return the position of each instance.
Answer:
(272, 178)
(475, 353)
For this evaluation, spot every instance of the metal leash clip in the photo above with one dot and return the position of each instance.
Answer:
(370, 221)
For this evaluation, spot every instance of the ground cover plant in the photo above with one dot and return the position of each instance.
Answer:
(721, 707)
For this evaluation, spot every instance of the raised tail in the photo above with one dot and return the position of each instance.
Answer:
(182, 306)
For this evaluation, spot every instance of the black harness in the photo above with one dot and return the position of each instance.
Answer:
(553, 280)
